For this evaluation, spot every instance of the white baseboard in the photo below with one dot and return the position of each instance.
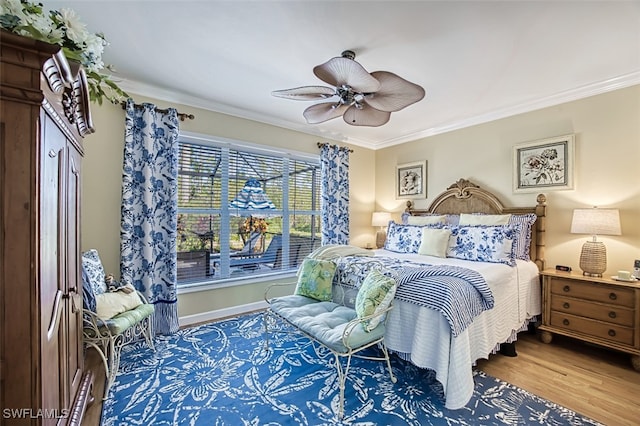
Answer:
(220, 313)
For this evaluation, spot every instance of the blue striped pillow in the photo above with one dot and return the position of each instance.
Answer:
(522, 242)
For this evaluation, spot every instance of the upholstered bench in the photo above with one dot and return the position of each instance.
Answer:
(333, 325)
(327, 320)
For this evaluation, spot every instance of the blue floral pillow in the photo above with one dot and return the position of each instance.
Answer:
(403, 238)
(93, 272)
(493, 244)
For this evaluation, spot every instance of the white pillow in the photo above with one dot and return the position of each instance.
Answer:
(426, 220)
(467, 219)
(434, 242)
(110, 304)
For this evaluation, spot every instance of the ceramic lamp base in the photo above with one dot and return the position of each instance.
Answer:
(593, 259)
(381, 237)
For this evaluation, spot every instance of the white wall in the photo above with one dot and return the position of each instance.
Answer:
(607, 168)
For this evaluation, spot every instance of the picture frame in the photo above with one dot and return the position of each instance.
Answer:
(411, 180)
(544, 165)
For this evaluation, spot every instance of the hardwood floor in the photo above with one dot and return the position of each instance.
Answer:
(94, 410)
(590, 380)
(595, 382)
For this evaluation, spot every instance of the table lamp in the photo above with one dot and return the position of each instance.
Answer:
(380, 219)
(595, 221)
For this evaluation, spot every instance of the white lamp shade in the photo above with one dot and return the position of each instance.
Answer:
(596, 222)
(380, 218)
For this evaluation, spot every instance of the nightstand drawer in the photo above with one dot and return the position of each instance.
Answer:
(612, 332)
(593, 291)
(599, 311)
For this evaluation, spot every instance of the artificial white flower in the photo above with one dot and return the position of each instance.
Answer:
(76, 30)
(12, 7)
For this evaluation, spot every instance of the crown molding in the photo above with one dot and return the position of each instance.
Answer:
(570, 95)
(620, 82)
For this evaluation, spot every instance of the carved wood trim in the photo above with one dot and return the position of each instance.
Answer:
(83, 399)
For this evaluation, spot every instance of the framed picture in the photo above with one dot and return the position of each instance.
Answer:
(543, 165)
(411, 180)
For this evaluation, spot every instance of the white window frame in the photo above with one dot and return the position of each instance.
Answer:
(286, 154)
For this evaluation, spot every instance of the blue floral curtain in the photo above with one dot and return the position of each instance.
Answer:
(334, 170)
(150, 209)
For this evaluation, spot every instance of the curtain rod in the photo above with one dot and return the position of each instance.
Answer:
(321, 144)
(181, 115)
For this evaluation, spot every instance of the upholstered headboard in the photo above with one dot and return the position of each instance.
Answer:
(466, 197)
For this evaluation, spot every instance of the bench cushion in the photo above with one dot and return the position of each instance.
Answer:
(325, 321)
(122, 322)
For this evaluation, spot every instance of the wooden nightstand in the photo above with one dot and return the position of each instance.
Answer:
(597, 310)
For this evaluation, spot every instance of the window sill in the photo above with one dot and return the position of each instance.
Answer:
(232, 282)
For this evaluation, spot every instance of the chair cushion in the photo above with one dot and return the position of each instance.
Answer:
(325, 321)
(315, 279)
(112, 303)
(375, 295)
(121, 322)
(93, 272)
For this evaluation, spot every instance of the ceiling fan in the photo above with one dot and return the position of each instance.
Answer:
(361, 98)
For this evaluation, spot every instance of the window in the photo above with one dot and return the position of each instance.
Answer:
(244, 211)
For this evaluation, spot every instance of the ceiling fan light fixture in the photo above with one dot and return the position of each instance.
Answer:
(365, 99)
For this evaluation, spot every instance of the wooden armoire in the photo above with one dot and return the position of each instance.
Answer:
(43, 118)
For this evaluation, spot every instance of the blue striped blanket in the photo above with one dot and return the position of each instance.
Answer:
(460, 294)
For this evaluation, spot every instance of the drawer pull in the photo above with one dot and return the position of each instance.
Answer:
(612, 333)
(613, 296)
(565, 321)
(566, 289)
(612, 314)
(566, 305)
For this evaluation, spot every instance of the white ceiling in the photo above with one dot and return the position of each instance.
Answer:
(477, 60)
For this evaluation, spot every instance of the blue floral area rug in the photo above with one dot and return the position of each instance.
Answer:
(220, 374)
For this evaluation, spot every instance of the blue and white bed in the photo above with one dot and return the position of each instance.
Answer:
(450, 342)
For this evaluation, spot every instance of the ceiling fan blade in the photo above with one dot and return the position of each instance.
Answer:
(395, 92)
(324, 111)
(365, 116)
(345, 71)
(306, 93)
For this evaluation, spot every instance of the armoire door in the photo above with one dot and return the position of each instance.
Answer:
(61, 344)
(52, 269)
(74, 344)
